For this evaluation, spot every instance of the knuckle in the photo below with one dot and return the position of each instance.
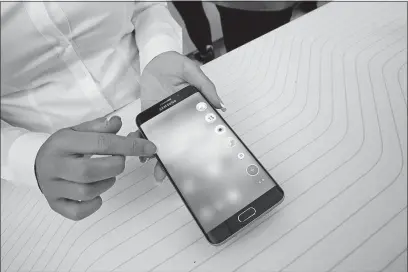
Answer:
(59, 138)
(135, 146)
(52, 204)
(103, 142)
(121, 165)
(62, 133)
(84, 173)
(77, 213)
(85, 192)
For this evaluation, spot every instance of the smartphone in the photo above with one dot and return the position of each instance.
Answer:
(220, 181)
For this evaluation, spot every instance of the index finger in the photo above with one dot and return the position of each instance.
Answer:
(106, 144)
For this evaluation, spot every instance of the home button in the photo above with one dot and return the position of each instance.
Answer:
(245, 215)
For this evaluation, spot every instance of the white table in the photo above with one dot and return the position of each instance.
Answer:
(322, 102)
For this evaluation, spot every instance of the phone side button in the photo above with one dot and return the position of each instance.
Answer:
(245, 215)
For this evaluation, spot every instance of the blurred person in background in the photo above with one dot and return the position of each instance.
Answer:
(244, 21)
(198, 28)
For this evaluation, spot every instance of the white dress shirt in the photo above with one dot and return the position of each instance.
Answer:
(66, 63)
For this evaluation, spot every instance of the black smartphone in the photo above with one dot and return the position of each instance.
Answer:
(221, 182)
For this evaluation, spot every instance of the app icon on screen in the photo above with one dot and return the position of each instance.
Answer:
(201, 106)
(241, 156)
(210, 118)
(231, 142)
(252, 170)
(220, 129)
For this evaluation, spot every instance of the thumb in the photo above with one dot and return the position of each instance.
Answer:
(101, 125)
(195, 76)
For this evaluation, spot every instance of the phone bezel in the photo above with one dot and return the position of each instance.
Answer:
(231, 226)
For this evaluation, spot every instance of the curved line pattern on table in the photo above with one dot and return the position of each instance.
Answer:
(4, 201)
(317, 242)
(53, 216)
(288, 203)
(401, 154)
(252, 89)
(321, 156)
(127, 220)
(346, 161)
(399, 82)
(137, 233)
(306, 126)
(298, 128)
(121, 243)
(270, 89)
(112, 212)
(116, 193)
(97, 240)
(4, 242)
(16, 215)
(51, 239)
(23, 244)
(244, 88)
(19, 236)
(393, 260)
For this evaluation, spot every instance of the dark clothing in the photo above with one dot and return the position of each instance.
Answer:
(242, 26)
(195, 19)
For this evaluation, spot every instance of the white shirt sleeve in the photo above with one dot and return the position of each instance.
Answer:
(19, 148)
(156, 31)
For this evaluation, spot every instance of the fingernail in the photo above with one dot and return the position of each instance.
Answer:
(150, 149)
(145, 160)
(115, 116)
(223, 107)
(159, 182)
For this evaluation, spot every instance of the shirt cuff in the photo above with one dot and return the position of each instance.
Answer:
(22, 157)
(156, 46)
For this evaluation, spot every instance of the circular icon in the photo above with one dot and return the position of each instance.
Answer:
(201, 106)
(210, 118)
(241, 156)
(220, 129)
(252, 170)
(231, 142)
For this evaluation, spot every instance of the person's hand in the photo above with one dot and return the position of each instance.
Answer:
(70, 179)
(168, 73)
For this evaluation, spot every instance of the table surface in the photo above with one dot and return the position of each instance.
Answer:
(322, 102)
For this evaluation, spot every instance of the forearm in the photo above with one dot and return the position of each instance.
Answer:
(156, 31)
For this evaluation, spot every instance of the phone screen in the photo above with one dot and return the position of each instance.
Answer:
(212, 169)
